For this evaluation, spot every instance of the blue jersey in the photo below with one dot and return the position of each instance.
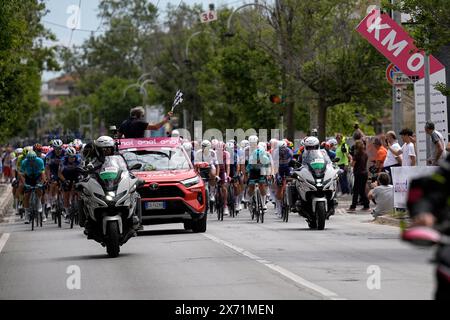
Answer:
(32, 168)
(53, 161)
(67, 165)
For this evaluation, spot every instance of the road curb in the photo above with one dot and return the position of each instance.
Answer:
(395, 222)
(6, 199)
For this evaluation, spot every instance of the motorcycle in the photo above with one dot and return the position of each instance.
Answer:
(315, 183)
(110, 203)
(427, 237)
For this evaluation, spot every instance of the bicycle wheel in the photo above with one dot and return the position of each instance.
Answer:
(285, 207)
(32, 219)
(257, 202)
(230, 200)
(59, 208)
(260, 208)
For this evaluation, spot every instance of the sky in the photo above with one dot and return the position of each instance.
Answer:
(62, 18)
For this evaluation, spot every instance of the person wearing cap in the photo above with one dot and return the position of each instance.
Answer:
(438, 145)
(407, 151)
(135, 125)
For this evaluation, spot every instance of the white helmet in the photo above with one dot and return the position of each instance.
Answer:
(104, 146)
(282, 143)
(214, 143)
(244, 143)
(332, 142)
(206, 144)
(57, 143)
(230, 145)
(253, 141)
(187, 146)
(70, 151)
(262, 146)
(175, 133)
(18, 151)
(311, 143)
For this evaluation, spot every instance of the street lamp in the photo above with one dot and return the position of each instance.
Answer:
(187, 61)
(229, 33)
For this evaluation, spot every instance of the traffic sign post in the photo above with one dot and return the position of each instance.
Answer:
(208, 16)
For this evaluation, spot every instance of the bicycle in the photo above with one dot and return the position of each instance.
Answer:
(204, 174)
(285, 207)
(231, 199)
(34, 213)
(73, 210)
(256, 205)
(219, 203)
(59, 208)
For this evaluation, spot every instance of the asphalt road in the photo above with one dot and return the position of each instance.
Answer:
(235, 259)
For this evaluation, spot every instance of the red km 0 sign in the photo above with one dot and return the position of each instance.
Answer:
(395, 44)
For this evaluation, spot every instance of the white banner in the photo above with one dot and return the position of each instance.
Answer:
(402, 177)
(438, 104)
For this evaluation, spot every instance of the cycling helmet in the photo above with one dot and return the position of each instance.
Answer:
(230, 145)
(71, 152)
(18, 151)
(31, 155)
(244, 143)
(206, 144)
(187, 146)
(104, 146)
(175, 133)
(26, 150)
(56, 143)
(262, 146)
(253, 141)
(214, 143)
(332, 142)
(312, 143)
(37, 147)
(289, 144)
(282, 143)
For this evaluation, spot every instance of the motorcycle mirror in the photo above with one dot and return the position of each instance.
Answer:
(421, 236)
(140, 183)
(136, 166)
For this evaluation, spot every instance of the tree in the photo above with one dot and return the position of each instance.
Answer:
(22, 59)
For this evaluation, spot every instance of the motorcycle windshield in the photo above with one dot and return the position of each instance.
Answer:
(112, 169)
(317, 161)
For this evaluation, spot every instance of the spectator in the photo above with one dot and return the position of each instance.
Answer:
(382, 195)
(381, 154)
(360, 173)
(7, 161)
(358, 134)
(407, 151)
(135, 126)
(342, 152)
(391, 159)
(438, 152)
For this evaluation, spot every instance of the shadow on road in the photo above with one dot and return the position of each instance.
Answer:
(162, 232)
(92, 257)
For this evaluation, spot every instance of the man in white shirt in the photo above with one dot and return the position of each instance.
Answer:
(407, 151)
(391, 159)
(438, 148)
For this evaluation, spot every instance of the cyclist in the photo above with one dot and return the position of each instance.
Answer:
(188, 147)
(52, 162)
(206, 154)
(257, 165)
(282, 157)
(32, 172)
(68, 173)
(235, 172)
(223, 157)
(15, 182)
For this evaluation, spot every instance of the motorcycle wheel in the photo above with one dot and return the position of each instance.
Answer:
(321, 215)
(112, 244)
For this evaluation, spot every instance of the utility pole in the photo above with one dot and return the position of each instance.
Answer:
(397, 108)
(427, 101)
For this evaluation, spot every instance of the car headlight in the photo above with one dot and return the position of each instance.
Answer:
(190, 182)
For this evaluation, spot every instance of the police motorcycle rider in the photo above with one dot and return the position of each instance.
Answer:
(94, 155)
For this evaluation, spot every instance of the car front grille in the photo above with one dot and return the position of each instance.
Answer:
(161, 192)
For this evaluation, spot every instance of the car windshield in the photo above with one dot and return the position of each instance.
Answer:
(158, 160)
(316, 159)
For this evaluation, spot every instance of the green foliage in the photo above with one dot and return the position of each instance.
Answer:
(22, 59)
(342, 117)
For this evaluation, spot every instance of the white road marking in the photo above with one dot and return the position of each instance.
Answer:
(3, 240)
(284, 272)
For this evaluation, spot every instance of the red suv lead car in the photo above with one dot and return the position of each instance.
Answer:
(173, 191)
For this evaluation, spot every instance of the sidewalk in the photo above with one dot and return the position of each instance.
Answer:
(6, 199)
